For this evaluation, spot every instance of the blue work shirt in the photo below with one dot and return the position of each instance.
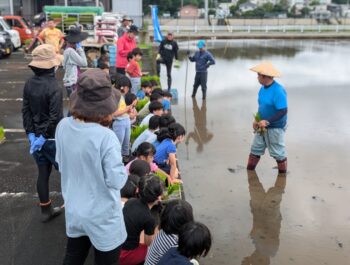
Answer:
(92, 175)
(140, 94)
(203, 60)
(163, 150)
(271, 100)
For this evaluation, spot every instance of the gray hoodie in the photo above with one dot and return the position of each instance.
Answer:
(72, 60)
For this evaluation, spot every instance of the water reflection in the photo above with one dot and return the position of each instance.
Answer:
(265, 207)
(200, 133)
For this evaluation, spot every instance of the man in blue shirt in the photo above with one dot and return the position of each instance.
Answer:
(203, 60)
(271, 125)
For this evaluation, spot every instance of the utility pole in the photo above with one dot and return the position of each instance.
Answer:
(206, 9)
(65, 2)
(11, 7)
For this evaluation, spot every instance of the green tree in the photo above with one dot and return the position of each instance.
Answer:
(235, 8)
(305, 11)
(314, 3)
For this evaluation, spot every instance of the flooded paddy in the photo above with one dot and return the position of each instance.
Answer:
(303, 219)
(262, 218)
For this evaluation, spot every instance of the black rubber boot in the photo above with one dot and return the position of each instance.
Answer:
(48, 212)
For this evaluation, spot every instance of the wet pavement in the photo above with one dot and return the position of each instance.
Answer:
(257, 218)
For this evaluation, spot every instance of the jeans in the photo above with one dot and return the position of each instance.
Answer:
(78, 249)
(168, 65)
(122, 129)
(135, 84)
(273, 140)
(200, 80)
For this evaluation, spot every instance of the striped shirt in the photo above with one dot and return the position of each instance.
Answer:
(160, 245)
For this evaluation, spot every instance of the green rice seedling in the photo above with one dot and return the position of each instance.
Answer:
(161, 176)
(257, 118)
(2, 134)
(136, 131)
(141, 103)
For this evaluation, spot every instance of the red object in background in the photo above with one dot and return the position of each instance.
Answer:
(21, 25)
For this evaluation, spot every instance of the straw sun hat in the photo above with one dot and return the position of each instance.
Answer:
(266, 68)
(45, 57)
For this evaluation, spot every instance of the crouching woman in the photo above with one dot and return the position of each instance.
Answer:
(92, 172)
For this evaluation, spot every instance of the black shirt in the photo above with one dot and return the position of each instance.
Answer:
(168, 50)
(137, 217)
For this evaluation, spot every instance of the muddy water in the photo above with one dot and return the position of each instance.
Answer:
(303, 219)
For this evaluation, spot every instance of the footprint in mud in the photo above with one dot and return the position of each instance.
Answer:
(234, 170)
(316, 198)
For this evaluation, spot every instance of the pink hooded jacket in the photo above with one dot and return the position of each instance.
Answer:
(124, 46)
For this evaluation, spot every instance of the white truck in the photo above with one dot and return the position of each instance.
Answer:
(15, 38)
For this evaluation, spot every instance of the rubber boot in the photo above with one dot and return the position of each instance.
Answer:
(48, 212)
(282, 166)
(253, 160)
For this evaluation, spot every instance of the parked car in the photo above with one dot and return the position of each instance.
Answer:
(21, 25)
(15, 39)
(5, 43)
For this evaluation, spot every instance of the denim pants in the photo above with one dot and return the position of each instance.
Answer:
(273, 140)
(122, 129)
(135, 84)
(78, 249)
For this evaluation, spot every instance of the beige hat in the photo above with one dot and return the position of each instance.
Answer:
(266, 68)
(45, 57)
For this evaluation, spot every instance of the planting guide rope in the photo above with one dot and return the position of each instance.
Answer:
(185, 99)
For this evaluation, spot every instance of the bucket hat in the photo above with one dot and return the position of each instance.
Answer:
(133, 29)
(126, 18)
(76, 35)
(94, 95)
(201, 44)
(266, 68)
(45, 57)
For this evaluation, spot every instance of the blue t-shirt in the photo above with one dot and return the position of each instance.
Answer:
(163, 150)
(166, 104)
(173, 257)
(271, 100)
(140, 94)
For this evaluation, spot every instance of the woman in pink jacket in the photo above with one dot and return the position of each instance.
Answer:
(125, 44)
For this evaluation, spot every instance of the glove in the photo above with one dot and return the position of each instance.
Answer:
(188, 52)
(37, 144)
(78, 45)
(31, 137)
(158, 57)
(177, 64)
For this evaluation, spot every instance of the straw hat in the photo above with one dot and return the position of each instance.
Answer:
(266, 68)
(45, 57)
(94, 96)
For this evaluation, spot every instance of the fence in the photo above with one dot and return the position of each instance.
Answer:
(255, 28)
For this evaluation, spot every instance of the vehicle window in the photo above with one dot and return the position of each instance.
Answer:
(10, 22)
(25, 22)
(4, 24)
(17, 23)
(1, 28)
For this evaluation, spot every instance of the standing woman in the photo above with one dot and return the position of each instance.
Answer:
(125, 45)
(92, 172)
(74, 58)
(42, 111)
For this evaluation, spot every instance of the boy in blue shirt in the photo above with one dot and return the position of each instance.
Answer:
(203, 60)
(272, 110)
